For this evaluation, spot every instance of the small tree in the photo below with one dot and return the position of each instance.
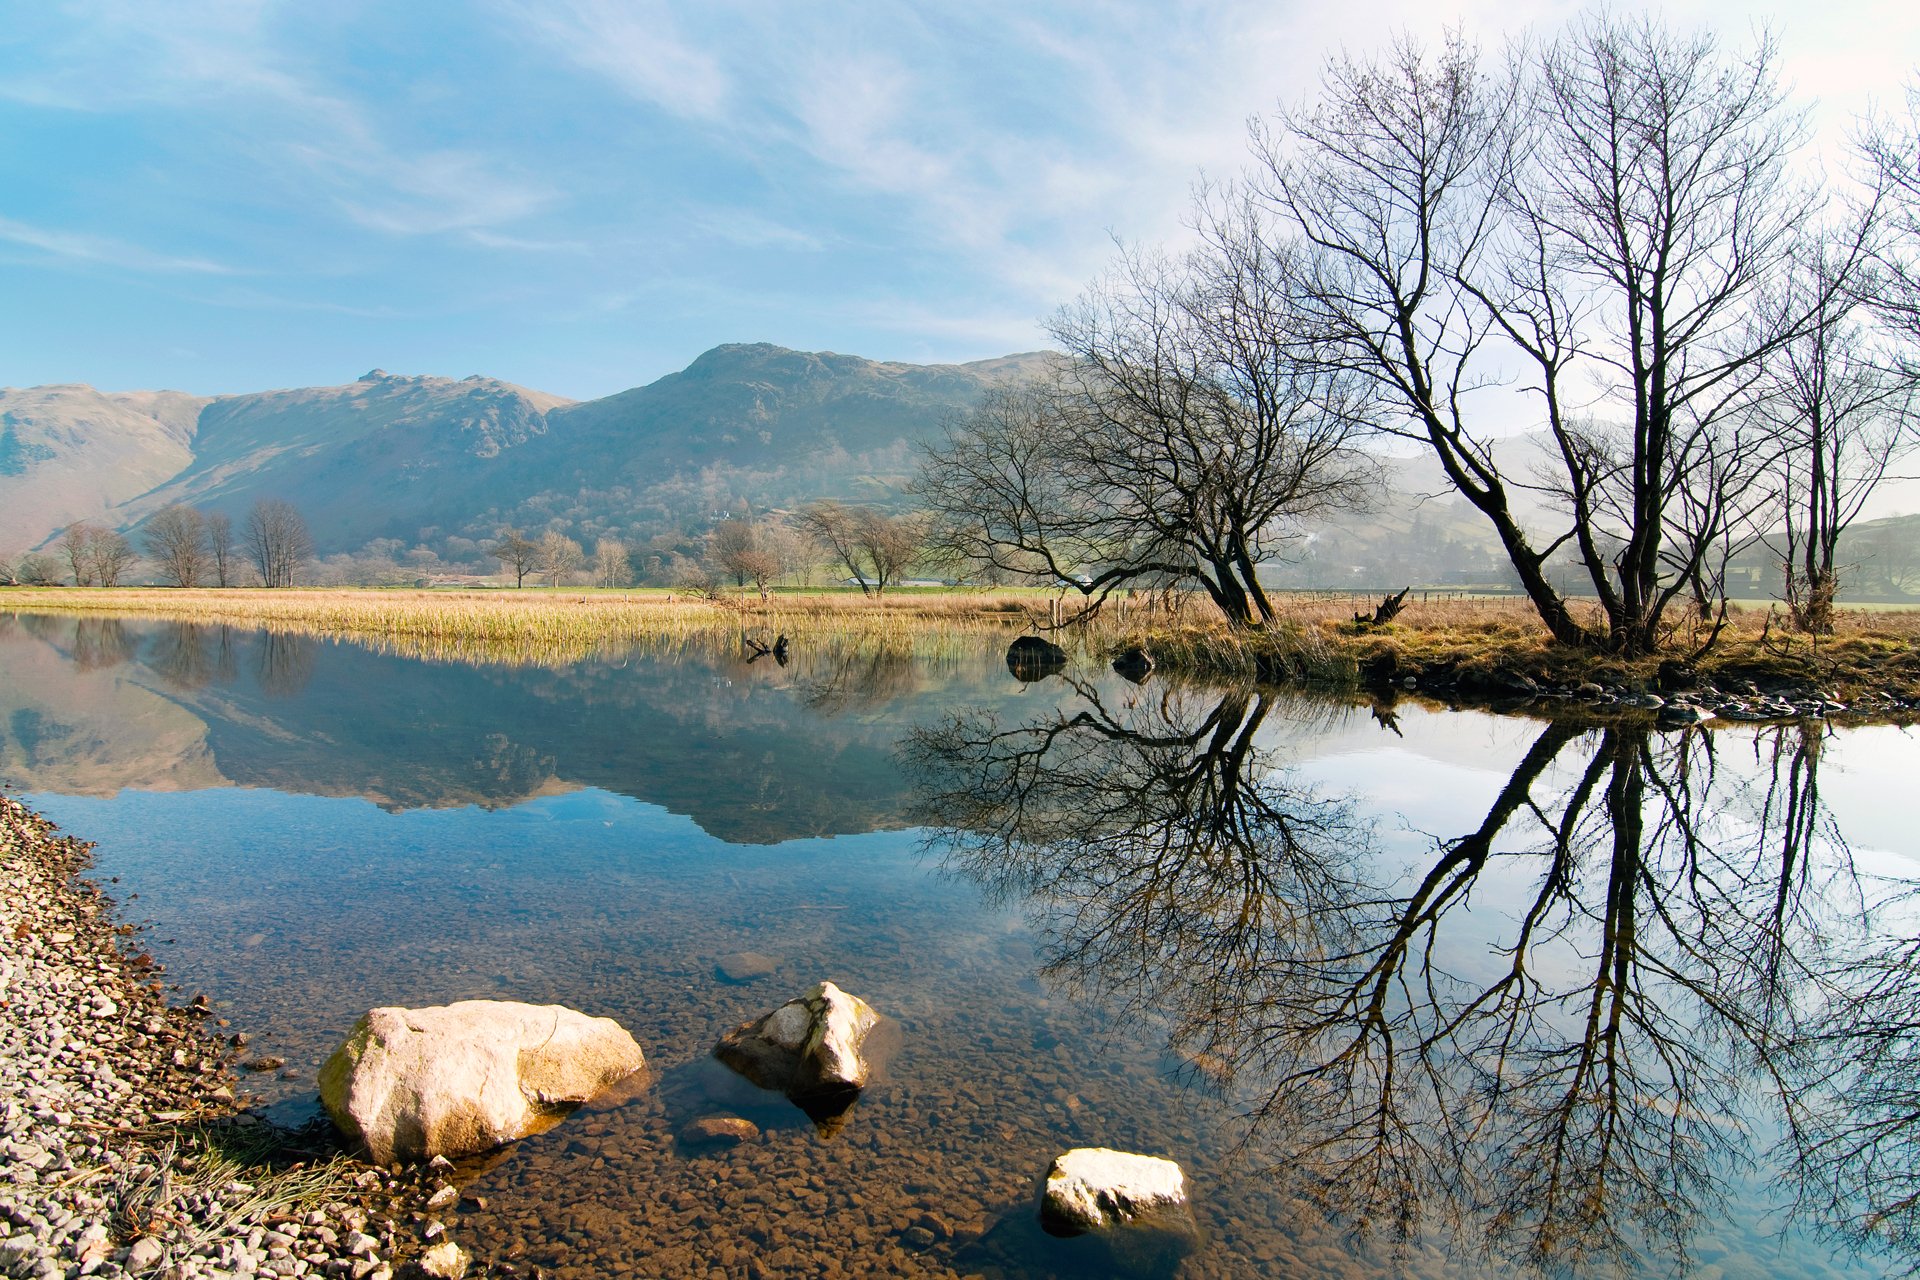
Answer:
(220, 548)
(176, 543)
(837, 527)
(112, 555)
(890, 543)
(520, 555)
(76, 548)
(277, 542)
(611, 568)
(733, 548)
(36, 570)
(560, 557)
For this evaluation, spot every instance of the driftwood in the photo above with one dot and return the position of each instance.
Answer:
(1389, 609)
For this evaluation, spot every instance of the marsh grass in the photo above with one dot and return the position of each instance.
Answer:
(1314, 640)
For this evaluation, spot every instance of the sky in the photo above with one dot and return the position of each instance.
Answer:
(582, 195)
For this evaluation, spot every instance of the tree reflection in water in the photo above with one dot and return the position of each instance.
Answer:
(1664, 926)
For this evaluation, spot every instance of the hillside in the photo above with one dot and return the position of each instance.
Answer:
(421, 458)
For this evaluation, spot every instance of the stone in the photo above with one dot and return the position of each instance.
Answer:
(1032, 658)
(745, 966)
(460, 1079)
(1134, 664)
(718, 1131)
(146, 1251)
(1096, 1190)
(444, 1261)
(808, 1048)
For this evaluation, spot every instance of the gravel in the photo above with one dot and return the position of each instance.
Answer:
(122, 1151)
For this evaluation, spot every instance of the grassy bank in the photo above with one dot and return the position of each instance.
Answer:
(1480, 642)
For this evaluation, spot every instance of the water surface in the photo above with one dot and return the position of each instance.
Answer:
(1407, 991)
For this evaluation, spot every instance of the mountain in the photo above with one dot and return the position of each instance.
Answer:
(68, 452)
(419, 457)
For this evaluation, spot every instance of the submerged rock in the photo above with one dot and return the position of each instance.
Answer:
(1031, 658)
(459, 1079)
(745, 966)
(718, 1131)
(808, 1049)
(1094, 1190)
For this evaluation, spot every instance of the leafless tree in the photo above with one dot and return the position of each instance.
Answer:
(1840, 412)
(220, 548)
(560, 557)
(9, 569)
(111, 556)
(1609, 209)
(734, 548)
(1177, 442)
(76, 548)
(519, 554)
(875, 547)
(611, 567)
(176, 542)
(36, 570)
(1889, 145)
(277, 542)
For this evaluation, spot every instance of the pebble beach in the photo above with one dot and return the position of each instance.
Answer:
(122, 1148)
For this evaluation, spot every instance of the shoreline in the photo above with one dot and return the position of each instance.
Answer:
(123, 1147)
(1480, 650)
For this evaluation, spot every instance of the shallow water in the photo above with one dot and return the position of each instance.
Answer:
(1171, 919)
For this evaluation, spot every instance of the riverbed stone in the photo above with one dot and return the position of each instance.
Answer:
(459, 1079)
(719, 1131)
(1097, 1189)
(808, 1048)
(745, 966)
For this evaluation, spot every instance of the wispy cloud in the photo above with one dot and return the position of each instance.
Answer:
(637, 45)
(105, 251)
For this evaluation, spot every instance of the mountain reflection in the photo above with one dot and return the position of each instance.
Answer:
(753, 751)
(1552, 1036)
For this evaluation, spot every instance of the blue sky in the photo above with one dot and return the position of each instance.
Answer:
(581, 195)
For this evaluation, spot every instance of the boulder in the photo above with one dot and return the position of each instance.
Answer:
(459, 1079)
(1032, 658)
(1134, 664)
(808, 1049)
(1094, 1190)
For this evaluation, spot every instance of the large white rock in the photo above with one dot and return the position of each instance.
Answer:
(808, 1048)
(458, 1079)
(1094, 1189)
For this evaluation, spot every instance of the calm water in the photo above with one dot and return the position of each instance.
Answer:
(1408, 992)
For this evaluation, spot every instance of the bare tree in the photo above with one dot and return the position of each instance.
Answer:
(1889, 146)
(1176, 445)
(837, 527)
(277, 542)
(519, 554)
(1841, 412)
(733, 547)
(611, 567)
(1611, 209)
(112, 556)
(36, 570)
(890, 544)
(76, 548)
(176, 540)
(560, 557)
(220, 548)
(9, 569)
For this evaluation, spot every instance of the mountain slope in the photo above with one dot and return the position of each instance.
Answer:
(68, 452)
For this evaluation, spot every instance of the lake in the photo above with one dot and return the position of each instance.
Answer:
(1408, 991)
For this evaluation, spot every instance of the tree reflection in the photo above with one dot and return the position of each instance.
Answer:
(284, 662)
(192, 655)
(1544, 1034)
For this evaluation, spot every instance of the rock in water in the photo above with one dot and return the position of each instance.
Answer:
(463, 1078)
(718, 1131)
(444, 1261)
(1092, 1190)
(1032, 658)
(745, 966)
(808, 1049)
(1134, 664)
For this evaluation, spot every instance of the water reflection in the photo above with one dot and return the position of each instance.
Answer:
(1553, 1036)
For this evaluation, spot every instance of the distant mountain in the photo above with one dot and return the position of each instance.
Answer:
(406, 457)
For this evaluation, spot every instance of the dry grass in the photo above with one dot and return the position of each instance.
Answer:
(1315, 639)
